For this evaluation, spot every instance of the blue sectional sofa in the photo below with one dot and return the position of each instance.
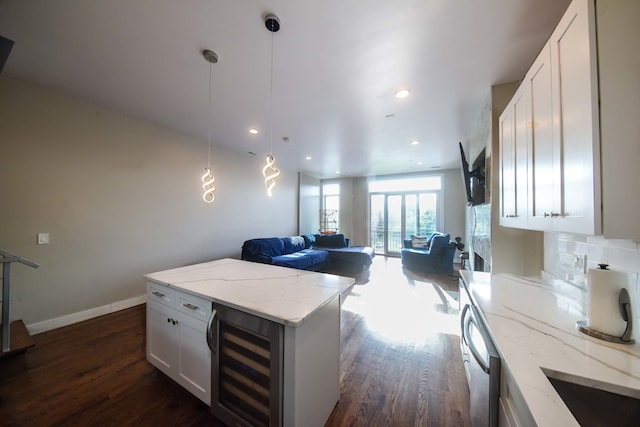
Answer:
(285, 252)
(314, 252)
(436, 255)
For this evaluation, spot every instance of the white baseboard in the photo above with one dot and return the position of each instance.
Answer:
(69, 319)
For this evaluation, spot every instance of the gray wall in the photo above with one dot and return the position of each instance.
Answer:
(454, 206)
(120, 197)
(346, 208)
(360, 210)
(309, 209)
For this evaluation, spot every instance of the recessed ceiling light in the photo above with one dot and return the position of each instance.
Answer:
(308, 158)
(419, 163)
(337, 172)
(402, 93)
(415, 142)
(253, 131)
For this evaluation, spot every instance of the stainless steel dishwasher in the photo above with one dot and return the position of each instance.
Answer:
(481, 363)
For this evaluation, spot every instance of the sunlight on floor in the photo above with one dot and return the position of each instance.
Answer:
(402, 309)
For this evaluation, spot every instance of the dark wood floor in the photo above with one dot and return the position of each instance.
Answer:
(401, 365)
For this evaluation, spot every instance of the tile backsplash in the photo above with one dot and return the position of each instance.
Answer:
(561, 251)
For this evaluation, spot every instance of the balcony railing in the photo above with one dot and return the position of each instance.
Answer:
(394, 242)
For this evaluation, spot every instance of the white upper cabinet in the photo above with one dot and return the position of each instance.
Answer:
(582, 126)
(507, 166)
(618, 24)
(544, 155)
(576, 135)
(514, 138)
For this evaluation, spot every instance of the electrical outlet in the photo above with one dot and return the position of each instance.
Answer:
(43, 238)
(580, 263)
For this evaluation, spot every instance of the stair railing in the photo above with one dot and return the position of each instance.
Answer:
(7, 259)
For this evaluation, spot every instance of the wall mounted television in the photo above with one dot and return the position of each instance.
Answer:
(474, 177)
(5, 49)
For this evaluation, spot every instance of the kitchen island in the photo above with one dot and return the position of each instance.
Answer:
(305, 305)
(532, 323)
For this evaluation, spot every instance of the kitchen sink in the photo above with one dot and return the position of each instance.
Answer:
(594, 407)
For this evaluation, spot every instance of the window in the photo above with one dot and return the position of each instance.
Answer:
(329, 214)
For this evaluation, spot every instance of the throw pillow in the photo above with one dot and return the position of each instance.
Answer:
(292, 244)
(439, 242)
(419, 241)
(309, 240)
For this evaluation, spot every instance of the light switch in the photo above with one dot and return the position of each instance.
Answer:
(43, 238)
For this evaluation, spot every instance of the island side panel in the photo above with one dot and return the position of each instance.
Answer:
(312, 368)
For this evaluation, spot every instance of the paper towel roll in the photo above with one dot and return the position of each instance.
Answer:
(603, 292)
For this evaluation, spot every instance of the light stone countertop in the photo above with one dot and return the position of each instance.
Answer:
(283, 295)
(533, 326)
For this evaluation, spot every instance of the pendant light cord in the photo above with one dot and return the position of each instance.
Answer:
(209, 118)
(271, 94)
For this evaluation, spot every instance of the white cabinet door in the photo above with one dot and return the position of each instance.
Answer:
(507, 170)
(514, 138)
(513, 408)
(176, 338)
(521, 134)
(619, 90)
(576, 120)
(162, 351)
(194, 359)
(544, 155)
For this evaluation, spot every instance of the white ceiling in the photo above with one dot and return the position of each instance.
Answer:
(336, 66)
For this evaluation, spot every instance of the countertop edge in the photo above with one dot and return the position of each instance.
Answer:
(291, 322)
(529, 365)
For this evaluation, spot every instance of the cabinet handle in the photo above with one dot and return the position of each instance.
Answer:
(551, 214)
(462, 322)
(158, 294)
(191, 306)
(212, 336)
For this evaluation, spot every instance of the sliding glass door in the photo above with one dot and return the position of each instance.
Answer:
(398, 216)
(401, 206)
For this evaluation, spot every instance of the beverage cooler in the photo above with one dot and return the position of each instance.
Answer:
(246, 370)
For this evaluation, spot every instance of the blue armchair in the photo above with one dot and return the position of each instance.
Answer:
(435, 257)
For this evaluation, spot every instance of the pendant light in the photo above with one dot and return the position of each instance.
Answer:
(270, 171)
(208, 179)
